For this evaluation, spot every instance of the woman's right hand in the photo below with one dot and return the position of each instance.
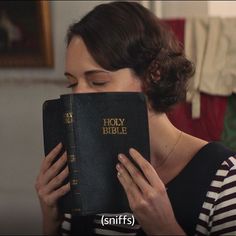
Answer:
(49, 189)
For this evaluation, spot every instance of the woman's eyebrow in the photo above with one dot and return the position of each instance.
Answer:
(70, 75)
(89, 72)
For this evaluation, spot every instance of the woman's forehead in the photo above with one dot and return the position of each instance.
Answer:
(78, 56)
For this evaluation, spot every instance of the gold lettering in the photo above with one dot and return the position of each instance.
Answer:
(114, 126)
(124, 130)
(105, 122)
(113, 122)
(114, 130)
(76, 209)
(74, 182)
(122, 122)
(68, 118)
(71, 158)
(104, 130)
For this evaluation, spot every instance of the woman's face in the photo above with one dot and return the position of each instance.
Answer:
(86, 76)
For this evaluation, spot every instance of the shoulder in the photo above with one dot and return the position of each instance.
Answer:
(218, 214)
(225, 177)
(199, 152)
(216, 149)
(212, 155)
(224, 184)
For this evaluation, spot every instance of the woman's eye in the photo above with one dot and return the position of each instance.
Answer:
(99, 83)
(98, 79)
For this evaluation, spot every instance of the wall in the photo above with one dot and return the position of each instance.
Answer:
(222, 8)
(21, 155)
(174, 9)
(22, 92)
(170, 9)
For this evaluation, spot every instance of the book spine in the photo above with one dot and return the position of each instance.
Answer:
(69, 120)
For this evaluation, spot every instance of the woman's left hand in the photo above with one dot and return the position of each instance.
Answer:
(147, 196)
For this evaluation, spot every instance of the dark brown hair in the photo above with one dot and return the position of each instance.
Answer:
(127, 35)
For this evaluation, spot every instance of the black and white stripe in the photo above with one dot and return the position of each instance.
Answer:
(66, 225)
(218, 213)
(217, 216)
(112, 229)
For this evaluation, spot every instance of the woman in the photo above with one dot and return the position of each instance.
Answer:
(189, 183)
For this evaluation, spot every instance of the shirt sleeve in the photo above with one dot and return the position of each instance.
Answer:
(66, 225)
(223, 217)
(218, 214)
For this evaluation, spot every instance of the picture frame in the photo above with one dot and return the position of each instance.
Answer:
(25, 34)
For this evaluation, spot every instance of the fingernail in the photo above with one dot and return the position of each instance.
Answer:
(131, 149)
(121, 157)
(118, 167)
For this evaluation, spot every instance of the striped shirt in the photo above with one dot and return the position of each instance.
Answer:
(217, 215)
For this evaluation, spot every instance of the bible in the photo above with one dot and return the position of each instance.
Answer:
(94, 128)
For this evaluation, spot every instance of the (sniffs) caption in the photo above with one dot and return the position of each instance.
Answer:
(118, 220)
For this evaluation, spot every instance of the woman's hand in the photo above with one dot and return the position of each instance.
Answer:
(49, 189)
(147, 196)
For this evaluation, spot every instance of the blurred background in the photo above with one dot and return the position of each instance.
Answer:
(29, 77)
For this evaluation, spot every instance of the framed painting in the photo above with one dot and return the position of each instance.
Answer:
(25, 34)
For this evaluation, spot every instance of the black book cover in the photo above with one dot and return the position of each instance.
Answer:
(94, 128)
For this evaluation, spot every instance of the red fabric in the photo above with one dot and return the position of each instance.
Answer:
(210, 125)
(177, 26)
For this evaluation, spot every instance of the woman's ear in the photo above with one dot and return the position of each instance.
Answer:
(153, 72)
(155, 76)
